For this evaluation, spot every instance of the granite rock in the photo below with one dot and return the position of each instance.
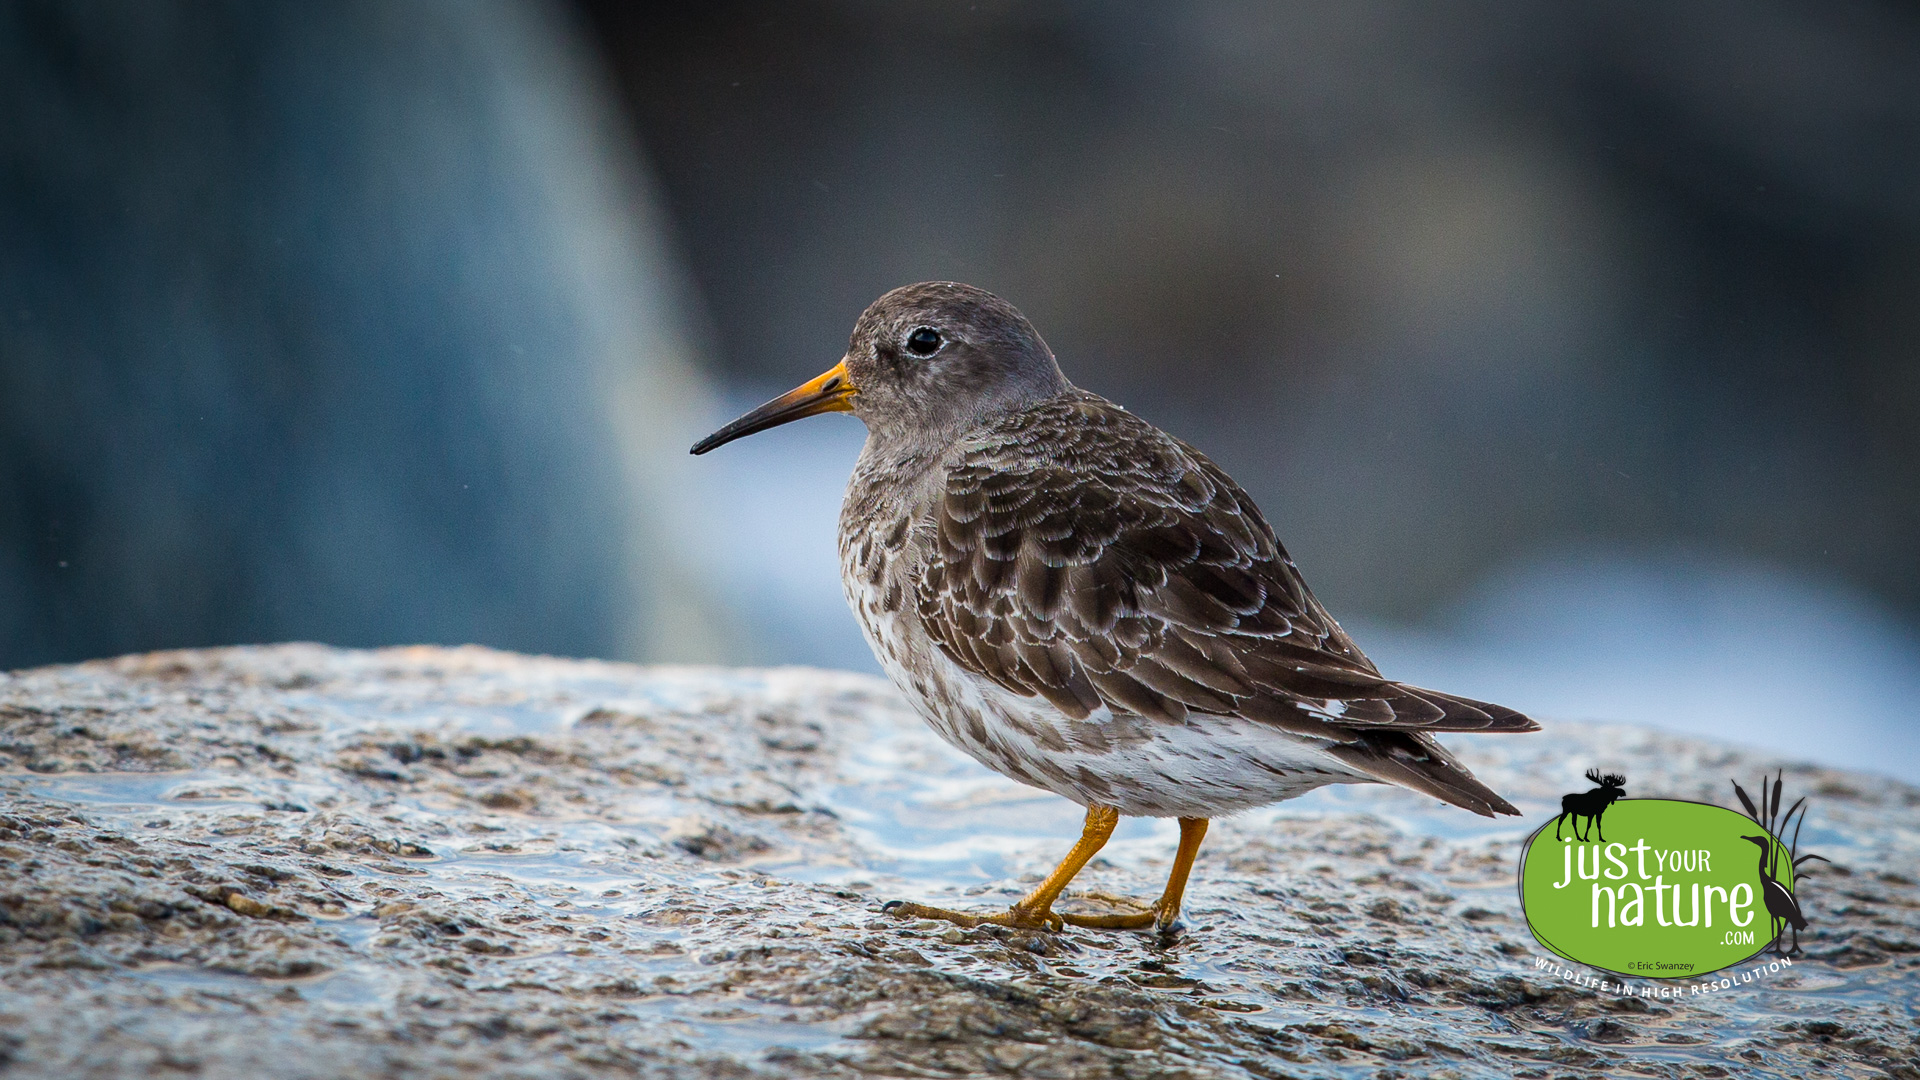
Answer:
(294, 861)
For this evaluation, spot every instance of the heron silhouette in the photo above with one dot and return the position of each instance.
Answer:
(1781, 906)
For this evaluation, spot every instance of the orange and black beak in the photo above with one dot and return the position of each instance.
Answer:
(828, 393)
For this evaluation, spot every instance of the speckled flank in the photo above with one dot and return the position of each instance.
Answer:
(1201, 766)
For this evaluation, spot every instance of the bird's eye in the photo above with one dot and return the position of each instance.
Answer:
(925, 341)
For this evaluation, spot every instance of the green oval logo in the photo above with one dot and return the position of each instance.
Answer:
(1674, 890)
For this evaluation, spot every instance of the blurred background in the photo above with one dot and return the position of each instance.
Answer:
(1574, 352)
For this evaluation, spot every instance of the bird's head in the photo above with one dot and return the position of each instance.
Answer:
(926, 362)
(1765, 842)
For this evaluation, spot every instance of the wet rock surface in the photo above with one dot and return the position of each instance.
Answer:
(294, 861)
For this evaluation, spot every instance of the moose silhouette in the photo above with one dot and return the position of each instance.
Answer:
(1590, 804)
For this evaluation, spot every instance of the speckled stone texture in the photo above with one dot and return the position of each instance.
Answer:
(293, 861)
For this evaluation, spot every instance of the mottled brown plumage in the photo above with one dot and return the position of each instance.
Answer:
(1085, 603)
(1084, 556)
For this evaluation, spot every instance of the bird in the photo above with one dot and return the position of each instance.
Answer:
(1782, 908)
(1086, 604)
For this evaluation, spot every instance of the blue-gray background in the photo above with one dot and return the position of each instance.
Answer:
(1575, 352)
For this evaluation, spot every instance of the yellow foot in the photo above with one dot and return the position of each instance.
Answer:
(1017, 917)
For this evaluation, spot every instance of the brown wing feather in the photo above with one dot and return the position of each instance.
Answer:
(1123, 568)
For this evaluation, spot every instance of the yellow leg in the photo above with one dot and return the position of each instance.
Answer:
(1166, 909)
(1035, 910)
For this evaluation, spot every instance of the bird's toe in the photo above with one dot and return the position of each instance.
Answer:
(1132, 914)
(907, 909)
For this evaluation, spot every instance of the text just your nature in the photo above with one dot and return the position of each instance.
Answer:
(1626, 903)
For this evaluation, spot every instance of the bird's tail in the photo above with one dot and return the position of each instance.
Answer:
(1414, 760)
(1458, 713)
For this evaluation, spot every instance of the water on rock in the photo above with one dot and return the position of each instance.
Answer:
(294, 861)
